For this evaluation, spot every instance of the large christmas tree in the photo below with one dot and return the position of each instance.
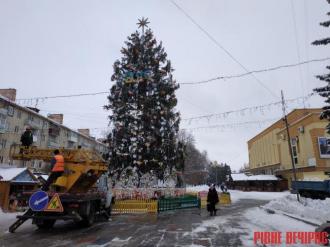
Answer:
(325, 91)
(142, 101)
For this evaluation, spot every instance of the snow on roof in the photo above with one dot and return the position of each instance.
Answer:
(8, 174)
(243, 177)
(49, 120)
(45, 177)
(263, 177)
(239, 176)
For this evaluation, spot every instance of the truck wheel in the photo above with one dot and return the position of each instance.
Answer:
(46, 224)
(88, 220)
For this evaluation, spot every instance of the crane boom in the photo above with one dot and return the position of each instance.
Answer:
(82, 167)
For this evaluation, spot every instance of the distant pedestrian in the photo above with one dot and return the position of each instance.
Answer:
(212, 200)
(27, 138)
(223, 187)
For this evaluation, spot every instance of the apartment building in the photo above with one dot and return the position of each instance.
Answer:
(269, 151)
(48, 132)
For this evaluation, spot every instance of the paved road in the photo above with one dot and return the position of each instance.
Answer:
(175, 228)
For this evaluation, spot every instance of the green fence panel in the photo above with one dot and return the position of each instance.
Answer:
(188, 201)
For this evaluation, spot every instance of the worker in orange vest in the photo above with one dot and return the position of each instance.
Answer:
(57, 168)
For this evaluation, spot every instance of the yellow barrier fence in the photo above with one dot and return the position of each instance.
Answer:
(224, 199)
(135, 206)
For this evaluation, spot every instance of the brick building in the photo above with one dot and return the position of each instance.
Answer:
(48, 132)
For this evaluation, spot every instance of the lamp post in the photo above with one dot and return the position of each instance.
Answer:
(289, 140)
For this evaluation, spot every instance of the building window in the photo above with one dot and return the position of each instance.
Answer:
(37, 121)
(10, 111)
(3, 143)
(16, 129)
(3, 123)
(294, 150)
(19, 114)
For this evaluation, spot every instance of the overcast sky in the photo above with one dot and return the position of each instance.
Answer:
(64, 47)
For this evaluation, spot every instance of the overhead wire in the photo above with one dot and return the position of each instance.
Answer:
(297, 48)
(226, 77)
(217, 43)
(63, 96)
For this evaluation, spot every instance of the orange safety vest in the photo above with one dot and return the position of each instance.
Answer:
(59, 165)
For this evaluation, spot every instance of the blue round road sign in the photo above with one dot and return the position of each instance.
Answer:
(38, 201)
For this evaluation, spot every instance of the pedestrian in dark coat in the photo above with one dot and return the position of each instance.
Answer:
(212, 200)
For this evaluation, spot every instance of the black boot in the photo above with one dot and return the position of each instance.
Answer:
(215, 213)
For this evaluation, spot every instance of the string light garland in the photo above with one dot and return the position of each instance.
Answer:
(242, 111)
(36, 100)
(222, 127)
(218, 127)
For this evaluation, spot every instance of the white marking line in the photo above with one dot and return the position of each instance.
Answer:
(36, 203)
(161, 239)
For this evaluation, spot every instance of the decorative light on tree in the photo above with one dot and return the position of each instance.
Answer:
(142, 102)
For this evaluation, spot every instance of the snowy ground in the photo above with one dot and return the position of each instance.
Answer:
(6, 219)
(234, 225)
(258, 219)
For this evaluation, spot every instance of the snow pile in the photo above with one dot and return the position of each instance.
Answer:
(256, 195)
(258, 219)
(197, 188)
(237, 194)
(311, 179)
(7, 216)
(313, 210)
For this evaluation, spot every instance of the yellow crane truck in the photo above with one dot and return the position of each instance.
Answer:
(81, 193)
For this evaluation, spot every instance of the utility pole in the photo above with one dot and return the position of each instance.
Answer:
(289, 140)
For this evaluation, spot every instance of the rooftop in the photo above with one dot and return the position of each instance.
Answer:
(244, 177)
(49, 120)
(294, 116)
(17, 174)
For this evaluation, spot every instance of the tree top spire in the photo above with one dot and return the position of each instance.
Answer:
(143, 22)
